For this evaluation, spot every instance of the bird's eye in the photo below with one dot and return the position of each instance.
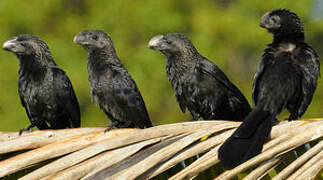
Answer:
(275, 19)
(95, 37)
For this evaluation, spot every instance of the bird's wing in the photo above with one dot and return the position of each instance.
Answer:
(311, 73)
(130, 104)
(266, 57)
(210, 68)
(66, 96)
(181, 103)
(179, 96)
(23, 103)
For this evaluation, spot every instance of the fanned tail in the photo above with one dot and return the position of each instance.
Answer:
(247, 141)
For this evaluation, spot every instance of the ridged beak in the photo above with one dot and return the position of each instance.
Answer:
(264, 20)
(79, 39)
(10, 44)
(154, 42)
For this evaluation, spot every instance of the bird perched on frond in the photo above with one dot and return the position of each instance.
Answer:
(112, 88)
(45, 90)
(286, 78)
(199, 85)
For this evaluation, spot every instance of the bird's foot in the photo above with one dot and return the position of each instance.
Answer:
(292, 118)
(183, 164)
(108, 128)
(287, 119)
(29, 128)
(307, 147)
(195, 119)
(111, 126)
(275, 121)
(197, 157)
(295, 154)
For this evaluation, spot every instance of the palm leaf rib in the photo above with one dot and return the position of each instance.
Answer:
(88, 153)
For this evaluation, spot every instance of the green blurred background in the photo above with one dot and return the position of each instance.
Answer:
(225, 31)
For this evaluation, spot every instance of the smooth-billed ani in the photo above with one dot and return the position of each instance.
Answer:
(112, 88)
(45, 90)
(200, 86)
(286, 78)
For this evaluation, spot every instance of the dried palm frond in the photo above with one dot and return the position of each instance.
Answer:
(88, 153)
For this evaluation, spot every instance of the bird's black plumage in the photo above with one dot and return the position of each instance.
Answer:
(200, 86)
(112, 88)
(286, 78)
(45, 91)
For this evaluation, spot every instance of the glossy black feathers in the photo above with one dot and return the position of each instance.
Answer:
(112, 88)
(286, 78)
(45, 90)
(200, 86)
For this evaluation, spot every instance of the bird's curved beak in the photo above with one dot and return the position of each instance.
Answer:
(13, 45)
(264, 20)
(155, 42)
(9, 45)
(270, 22)
(78, 39)
(81, 39)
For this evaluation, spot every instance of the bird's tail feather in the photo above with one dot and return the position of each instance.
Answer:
(247, 141)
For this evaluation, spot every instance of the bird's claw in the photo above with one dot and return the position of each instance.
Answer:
(108, 129)
(29, 128)
(195, 119)
(275, 122)
(114, 124)
(288, 119)
(292, 118)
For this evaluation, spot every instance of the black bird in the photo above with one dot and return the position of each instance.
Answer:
(112, 88)
(200, 86)
(45, 90)
(286, 78)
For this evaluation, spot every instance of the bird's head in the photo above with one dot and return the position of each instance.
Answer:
(93, 40)
(172, 44)
(281, 22)
(26, 45)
